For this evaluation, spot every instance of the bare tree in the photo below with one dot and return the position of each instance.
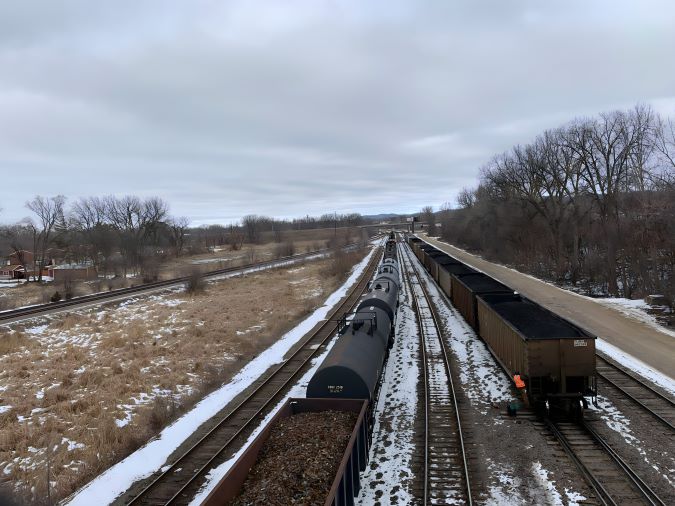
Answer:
(179, 228)
(49, 212)
(427, 215)
(137, 222)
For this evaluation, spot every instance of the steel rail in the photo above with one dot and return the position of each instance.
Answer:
(449, 374)
(647, 492)
(84, 300)
(632, 397)
(351, 300)
(601, 493)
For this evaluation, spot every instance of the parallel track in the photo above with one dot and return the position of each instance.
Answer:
(446, 474)
(178, 483)
(31, 311)
(612, 479)
(649, 399)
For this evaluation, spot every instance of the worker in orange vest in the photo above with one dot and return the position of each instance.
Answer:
(520, 385)
(518, 380)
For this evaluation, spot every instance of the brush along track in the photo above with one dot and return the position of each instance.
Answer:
(613, 481)
(31, 311)
(178, 483)
(446, 475)
(649, 399)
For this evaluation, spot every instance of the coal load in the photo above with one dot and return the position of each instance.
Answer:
(298, 462)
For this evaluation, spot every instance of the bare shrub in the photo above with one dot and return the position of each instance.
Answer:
(195, 283)
(251, 255)
(284, 249)
(341, 262)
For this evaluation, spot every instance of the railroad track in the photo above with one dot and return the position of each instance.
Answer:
(639, 392)
(612, 479)
(179, 483)
(446, 474)
(37, 310)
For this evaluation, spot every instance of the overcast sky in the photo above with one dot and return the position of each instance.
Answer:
(291, 107)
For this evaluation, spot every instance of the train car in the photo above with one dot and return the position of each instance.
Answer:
(352, 368)
(428, 252)
(431, 263)
(346, 481)
(441, 262)
(447, 271)
(390, 247)
(421, 249)
(554, 358)
(465, 288)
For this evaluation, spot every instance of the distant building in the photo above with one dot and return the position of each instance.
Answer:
(22, 257)
(71, 271)
(13, 271)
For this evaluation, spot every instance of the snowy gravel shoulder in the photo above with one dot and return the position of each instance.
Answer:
(636, 365)
(148, 459)
(387, 478)
(483, 381)
(635, 309)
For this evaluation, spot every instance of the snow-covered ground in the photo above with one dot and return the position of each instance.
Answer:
(387, 477)
(636, 310)
(619, 423)
(482, 379)
(632, 363)
(142, 463)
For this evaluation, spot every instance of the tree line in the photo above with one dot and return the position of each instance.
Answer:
(590, 203)
(125, 233)
(133, 234)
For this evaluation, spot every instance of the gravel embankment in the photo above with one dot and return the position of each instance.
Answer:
(298, 463)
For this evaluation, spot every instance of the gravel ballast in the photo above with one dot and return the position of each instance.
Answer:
(299, 461)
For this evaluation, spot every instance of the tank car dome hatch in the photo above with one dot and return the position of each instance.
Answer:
(384, 298)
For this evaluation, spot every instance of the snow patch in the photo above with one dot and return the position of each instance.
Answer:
(635, 310)
(634, 364)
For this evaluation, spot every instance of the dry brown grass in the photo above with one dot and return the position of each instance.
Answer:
(76, 377)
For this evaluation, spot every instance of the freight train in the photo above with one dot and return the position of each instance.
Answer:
(346, 381)
(353, 367)
(549, 358)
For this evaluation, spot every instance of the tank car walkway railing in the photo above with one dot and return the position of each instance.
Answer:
(648, 398)
(178, 482)
(612, 479)
(446, 474)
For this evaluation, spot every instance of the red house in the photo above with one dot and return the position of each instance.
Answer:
(15, 271)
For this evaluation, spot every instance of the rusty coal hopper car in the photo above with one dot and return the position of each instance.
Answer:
(432, 261)
(446, 273)
(555, 358)
(465, 288)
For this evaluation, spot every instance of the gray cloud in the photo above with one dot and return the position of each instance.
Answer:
(287, 108)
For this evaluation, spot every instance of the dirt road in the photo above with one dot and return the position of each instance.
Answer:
(645, 343)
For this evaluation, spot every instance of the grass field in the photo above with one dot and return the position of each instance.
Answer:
(79, 391)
